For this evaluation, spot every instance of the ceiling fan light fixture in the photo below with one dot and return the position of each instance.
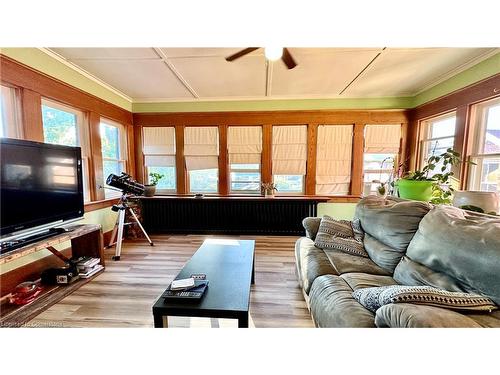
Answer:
(273, 53)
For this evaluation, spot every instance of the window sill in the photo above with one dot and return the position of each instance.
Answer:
(97, 205)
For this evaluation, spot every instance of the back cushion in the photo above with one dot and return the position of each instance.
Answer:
(389, 225)
(465, 246)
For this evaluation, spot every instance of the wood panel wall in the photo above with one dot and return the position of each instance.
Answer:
(268, 119)
(462, 103)
(34, 85)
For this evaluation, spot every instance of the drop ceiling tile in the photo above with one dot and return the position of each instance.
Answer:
(406, 71)
(319, 72)
(144, 79)
(106, 53)
(216, 77)
(206, 52)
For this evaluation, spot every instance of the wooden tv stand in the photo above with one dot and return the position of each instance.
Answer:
(86, 240)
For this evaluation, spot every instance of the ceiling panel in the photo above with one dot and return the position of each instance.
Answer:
(106, 53)
(206, 52)
(215, 77)
(146, 79)
(404, 71)
(320, 72)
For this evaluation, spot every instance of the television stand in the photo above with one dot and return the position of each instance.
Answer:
(8, 246)
(86, 240)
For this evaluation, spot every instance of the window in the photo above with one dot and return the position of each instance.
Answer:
(10, 126)
(113, 146)
(381, 150)
(333, 159)
(438, 134)
(201, 151)
(485, 175)
(159, 156)
(63, 125)
(244, 146)
(289, 158)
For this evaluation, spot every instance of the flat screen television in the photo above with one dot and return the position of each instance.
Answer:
(41, 183)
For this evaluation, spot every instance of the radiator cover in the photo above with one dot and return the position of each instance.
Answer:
(259, 216)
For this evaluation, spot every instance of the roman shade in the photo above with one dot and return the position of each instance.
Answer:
(244, 144)
(333, 159)
(201, 147)
(289, 150)
(382, 139)
(159, 146)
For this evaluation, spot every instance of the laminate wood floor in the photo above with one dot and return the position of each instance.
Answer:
(123, 295)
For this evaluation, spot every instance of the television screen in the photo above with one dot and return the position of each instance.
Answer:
(40, 183)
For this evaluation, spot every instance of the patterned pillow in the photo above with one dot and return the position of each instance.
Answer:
(374, 298)
(342, 235)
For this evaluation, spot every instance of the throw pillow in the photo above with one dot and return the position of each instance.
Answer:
(374, 298)
(342, 235)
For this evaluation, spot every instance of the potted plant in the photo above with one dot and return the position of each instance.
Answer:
(151, 188)
(268, 189)
(437, 189)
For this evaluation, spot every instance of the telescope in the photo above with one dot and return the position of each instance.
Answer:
(125, 183)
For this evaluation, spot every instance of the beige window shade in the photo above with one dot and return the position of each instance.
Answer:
(201, 147)
(333, 159)
(159, 146)
(382, 139)
(289, 150)
(244, 144)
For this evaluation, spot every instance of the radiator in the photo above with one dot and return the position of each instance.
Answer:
(272, 216)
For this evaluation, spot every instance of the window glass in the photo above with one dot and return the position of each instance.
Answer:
(112, 146)
(63, 125)
(245, 178)
(168, 181)
(203, 181)
(289, 183)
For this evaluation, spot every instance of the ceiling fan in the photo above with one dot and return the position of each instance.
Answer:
(271, 54)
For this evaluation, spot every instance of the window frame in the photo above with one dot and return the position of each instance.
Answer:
(82, 140)
(425, 135)
(122, 150)
(478, 132)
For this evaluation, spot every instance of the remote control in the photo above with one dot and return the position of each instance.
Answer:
(199, 276)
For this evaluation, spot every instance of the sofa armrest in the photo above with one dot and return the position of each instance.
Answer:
(407, 315)
(311, 225)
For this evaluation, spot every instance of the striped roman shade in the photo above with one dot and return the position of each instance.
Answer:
(333, 159)
(289, 150)
(382, 139)
(244, 144)
(159, 146)
(201, 147)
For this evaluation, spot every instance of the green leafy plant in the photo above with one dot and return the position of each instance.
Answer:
(441, 188)
(155, 178)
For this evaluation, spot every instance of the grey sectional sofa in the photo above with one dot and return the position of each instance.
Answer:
(409, 243)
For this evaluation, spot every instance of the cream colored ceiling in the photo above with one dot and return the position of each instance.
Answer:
(169, 74)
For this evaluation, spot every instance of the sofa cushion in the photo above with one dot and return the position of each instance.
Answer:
(389, 225)
(311, 263)
(409, 272)
(374, 298)
(344, 263)
(358, 280)
(332, 305)
(311, 225)
(342, 235)
(405, 315)
(462, 245)
(489, 320)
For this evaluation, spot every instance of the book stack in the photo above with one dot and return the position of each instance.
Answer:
(88, 267)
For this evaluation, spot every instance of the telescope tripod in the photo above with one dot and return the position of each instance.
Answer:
(122, 207)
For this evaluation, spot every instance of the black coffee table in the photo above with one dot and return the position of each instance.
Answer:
(229, 266)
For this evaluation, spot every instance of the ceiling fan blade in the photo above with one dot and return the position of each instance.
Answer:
(241, 53)
(288, 59)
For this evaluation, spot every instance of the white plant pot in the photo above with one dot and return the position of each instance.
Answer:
(488, 201)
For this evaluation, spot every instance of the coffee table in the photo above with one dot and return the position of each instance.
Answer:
(229, 266)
